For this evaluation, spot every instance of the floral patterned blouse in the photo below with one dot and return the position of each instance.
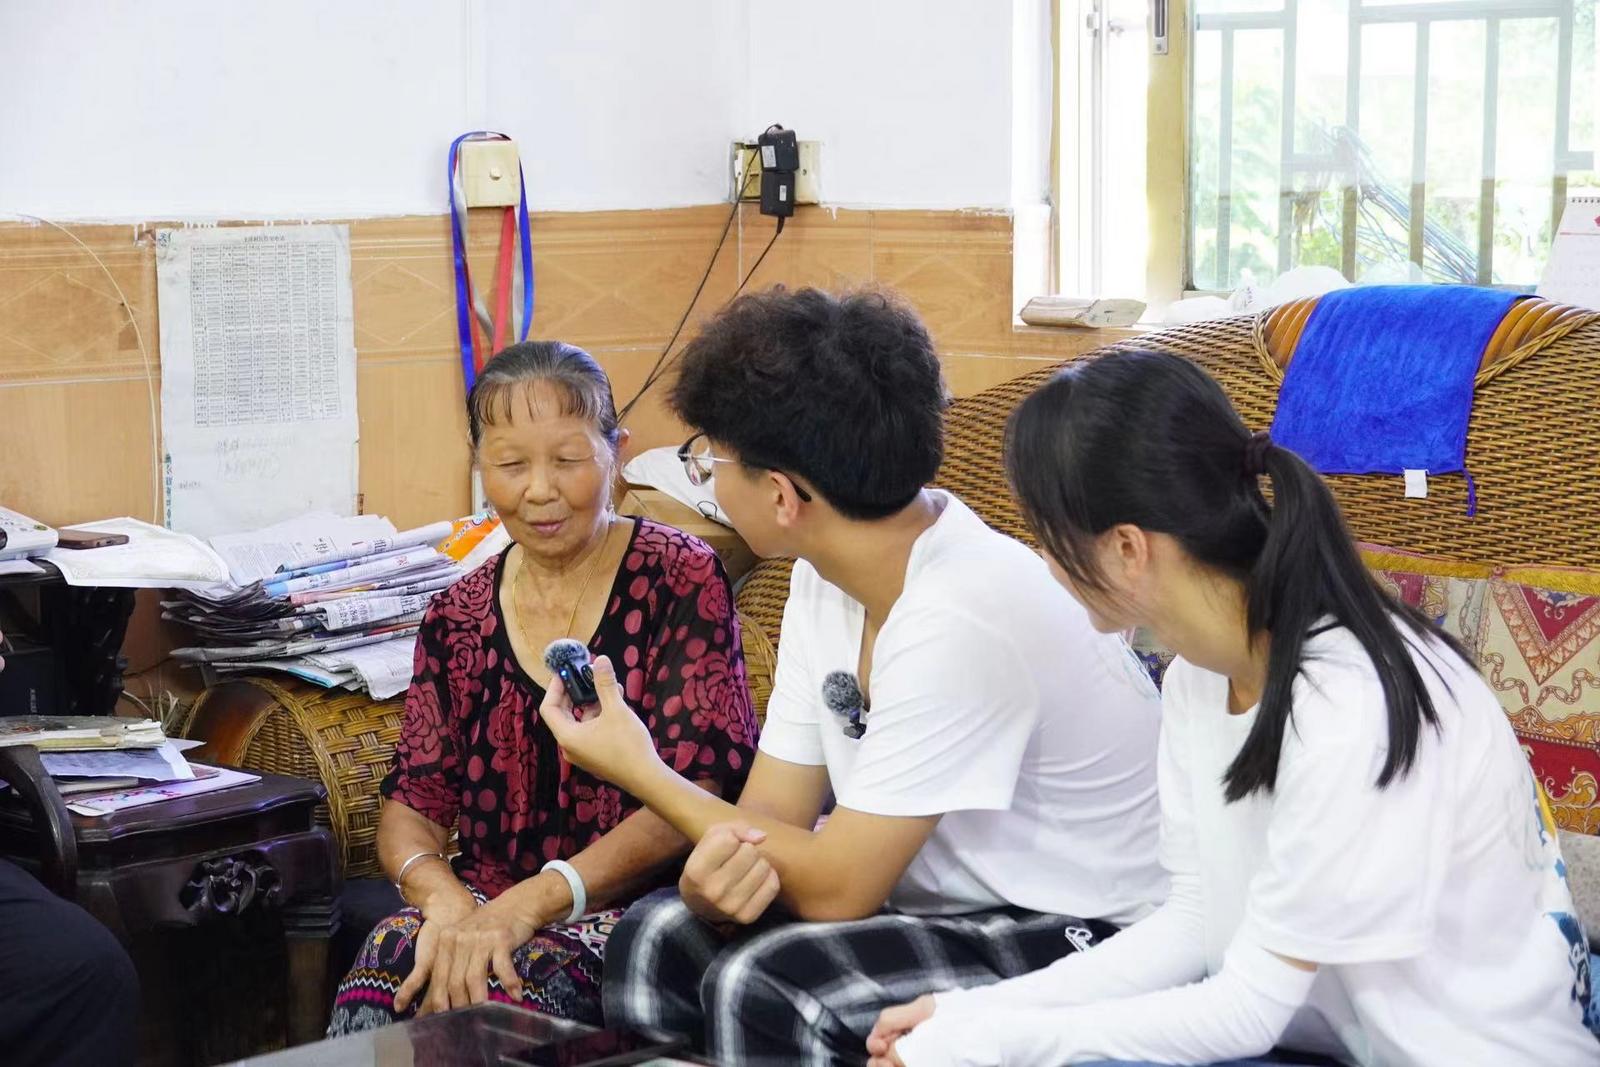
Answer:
(474, 753)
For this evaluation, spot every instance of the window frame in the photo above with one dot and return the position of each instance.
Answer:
(1169, 185)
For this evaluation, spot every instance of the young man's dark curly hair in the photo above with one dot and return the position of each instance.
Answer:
(844, 392)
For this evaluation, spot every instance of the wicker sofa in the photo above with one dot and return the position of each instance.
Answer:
(1533, 447)
(1518, 583)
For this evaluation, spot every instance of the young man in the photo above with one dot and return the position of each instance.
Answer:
(998, 810)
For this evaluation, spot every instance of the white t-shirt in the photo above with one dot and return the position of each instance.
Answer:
(996, 705)
(1437, 907)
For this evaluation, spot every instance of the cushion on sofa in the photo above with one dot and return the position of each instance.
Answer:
(1536, 636)
(1449, 592)
(1539, 648)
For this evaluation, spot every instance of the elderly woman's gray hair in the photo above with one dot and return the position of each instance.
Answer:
(583, 388)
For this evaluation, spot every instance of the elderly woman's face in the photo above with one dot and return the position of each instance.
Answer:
(547, 474)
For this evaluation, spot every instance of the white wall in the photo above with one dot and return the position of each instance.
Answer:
(911, 98)
(619, 103)
(192, 109)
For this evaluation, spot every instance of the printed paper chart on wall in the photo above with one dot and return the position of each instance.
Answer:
(258, 375)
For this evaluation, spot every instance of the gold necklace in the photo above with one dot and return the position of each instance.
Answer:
(572, 619)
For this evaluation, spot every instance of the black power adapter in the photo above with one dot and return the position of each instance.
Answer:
(780, 161)
(777, 193)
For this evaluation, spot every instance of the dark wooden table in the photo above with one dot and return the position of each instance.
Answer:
(233, 855)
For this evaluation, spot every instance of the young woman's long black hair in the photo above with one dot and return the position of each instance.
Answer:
(1149, 439)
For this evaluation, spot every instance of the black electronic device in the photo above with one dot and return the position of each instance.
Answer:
(780, 149)
(28, 684)
(569, 661)
(841, 693)
(780, 162)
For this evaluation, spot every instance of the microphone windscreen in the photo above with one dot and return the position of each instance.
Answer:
(565, 651)
(841, 692)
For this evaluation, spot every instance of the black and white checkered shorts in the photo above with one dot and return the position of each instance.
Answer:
(784, 992)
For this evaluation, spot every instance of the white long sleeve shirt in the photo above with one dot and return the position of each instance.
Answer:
(1436, 909)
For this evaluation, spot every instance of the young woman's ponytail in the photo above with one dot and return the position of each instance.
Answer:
(1309, 575)
(1147, 438)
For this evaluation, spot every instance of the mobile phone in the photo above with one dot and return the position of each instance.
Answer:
(88, 539)
(599, 1049)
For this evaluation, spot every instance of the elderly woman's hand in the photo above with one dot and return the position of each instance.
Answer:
(610, 742)
(457, 949)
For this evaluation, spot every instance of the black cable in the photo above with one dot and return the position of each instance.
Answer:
(660, 369)
(762, 256)
(654, 375)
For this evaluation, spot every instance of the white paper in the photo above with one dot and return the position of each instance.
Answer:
(258, 375)
(396, 587)
(299, 666)
(493, 543)
(19, 566)
(1572, 274)
(1416, 483)
(151, 794)
(298, 542)
(385, 567)
(349, 614)
(384, 668)
(153, 558)
(164, 764)
(326, 553)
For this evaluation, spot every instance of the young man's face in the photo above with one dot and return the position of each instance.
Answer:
(751, 501)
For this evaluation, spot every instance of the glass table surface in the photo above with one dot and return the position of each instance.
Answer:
(486, 1035)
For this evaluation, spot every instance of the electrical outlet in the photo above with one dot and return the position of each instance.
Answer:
(808, 183)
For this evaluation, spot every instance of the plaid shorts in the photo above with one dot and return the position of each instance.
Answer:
(795, 992)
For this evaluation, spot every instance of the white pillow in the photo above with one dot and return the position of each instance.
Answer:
(660, 468)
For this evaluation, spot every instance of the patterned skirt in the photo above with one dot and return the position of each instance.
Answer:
(560, 967)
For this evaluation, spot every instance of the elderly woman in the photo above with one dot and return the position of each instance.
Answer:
(549, 856)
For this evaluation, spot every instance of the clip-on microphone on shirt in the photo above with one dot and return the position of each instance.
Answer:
(569, 661)
(842, 693)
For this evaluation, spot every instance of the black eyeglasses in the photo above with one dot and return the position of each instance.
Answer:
(695, 455)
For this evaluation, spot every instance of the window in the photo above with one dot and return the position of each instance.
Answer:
(1104, 59)
(1368, 136)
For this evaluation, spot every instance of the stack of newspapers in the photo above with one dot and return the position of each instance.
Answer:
(335, 601)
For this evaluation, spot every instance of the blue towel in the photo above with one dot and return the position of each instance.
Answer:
(1381, 381)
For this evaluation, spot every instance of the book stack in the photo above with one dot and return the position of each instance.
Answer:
(337, 602)
(106, 763)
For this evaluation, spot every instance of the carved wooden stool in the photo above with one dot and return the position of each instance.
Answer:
(188, 862)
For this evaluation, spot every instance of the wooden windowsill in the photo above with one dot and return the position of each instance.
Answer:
(1049, 342)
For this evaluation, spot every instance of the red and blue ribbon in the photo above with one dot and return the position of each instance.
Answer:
(474, 352)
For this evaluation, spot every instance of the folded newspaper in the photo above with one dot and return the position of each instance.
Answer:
(337, 602)
(76, 733)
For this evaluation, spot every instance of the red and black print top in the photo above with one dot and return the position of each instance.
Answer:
(474, 752)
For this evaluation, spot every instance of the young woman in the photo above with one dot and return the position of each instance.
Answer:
(1361, 866)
